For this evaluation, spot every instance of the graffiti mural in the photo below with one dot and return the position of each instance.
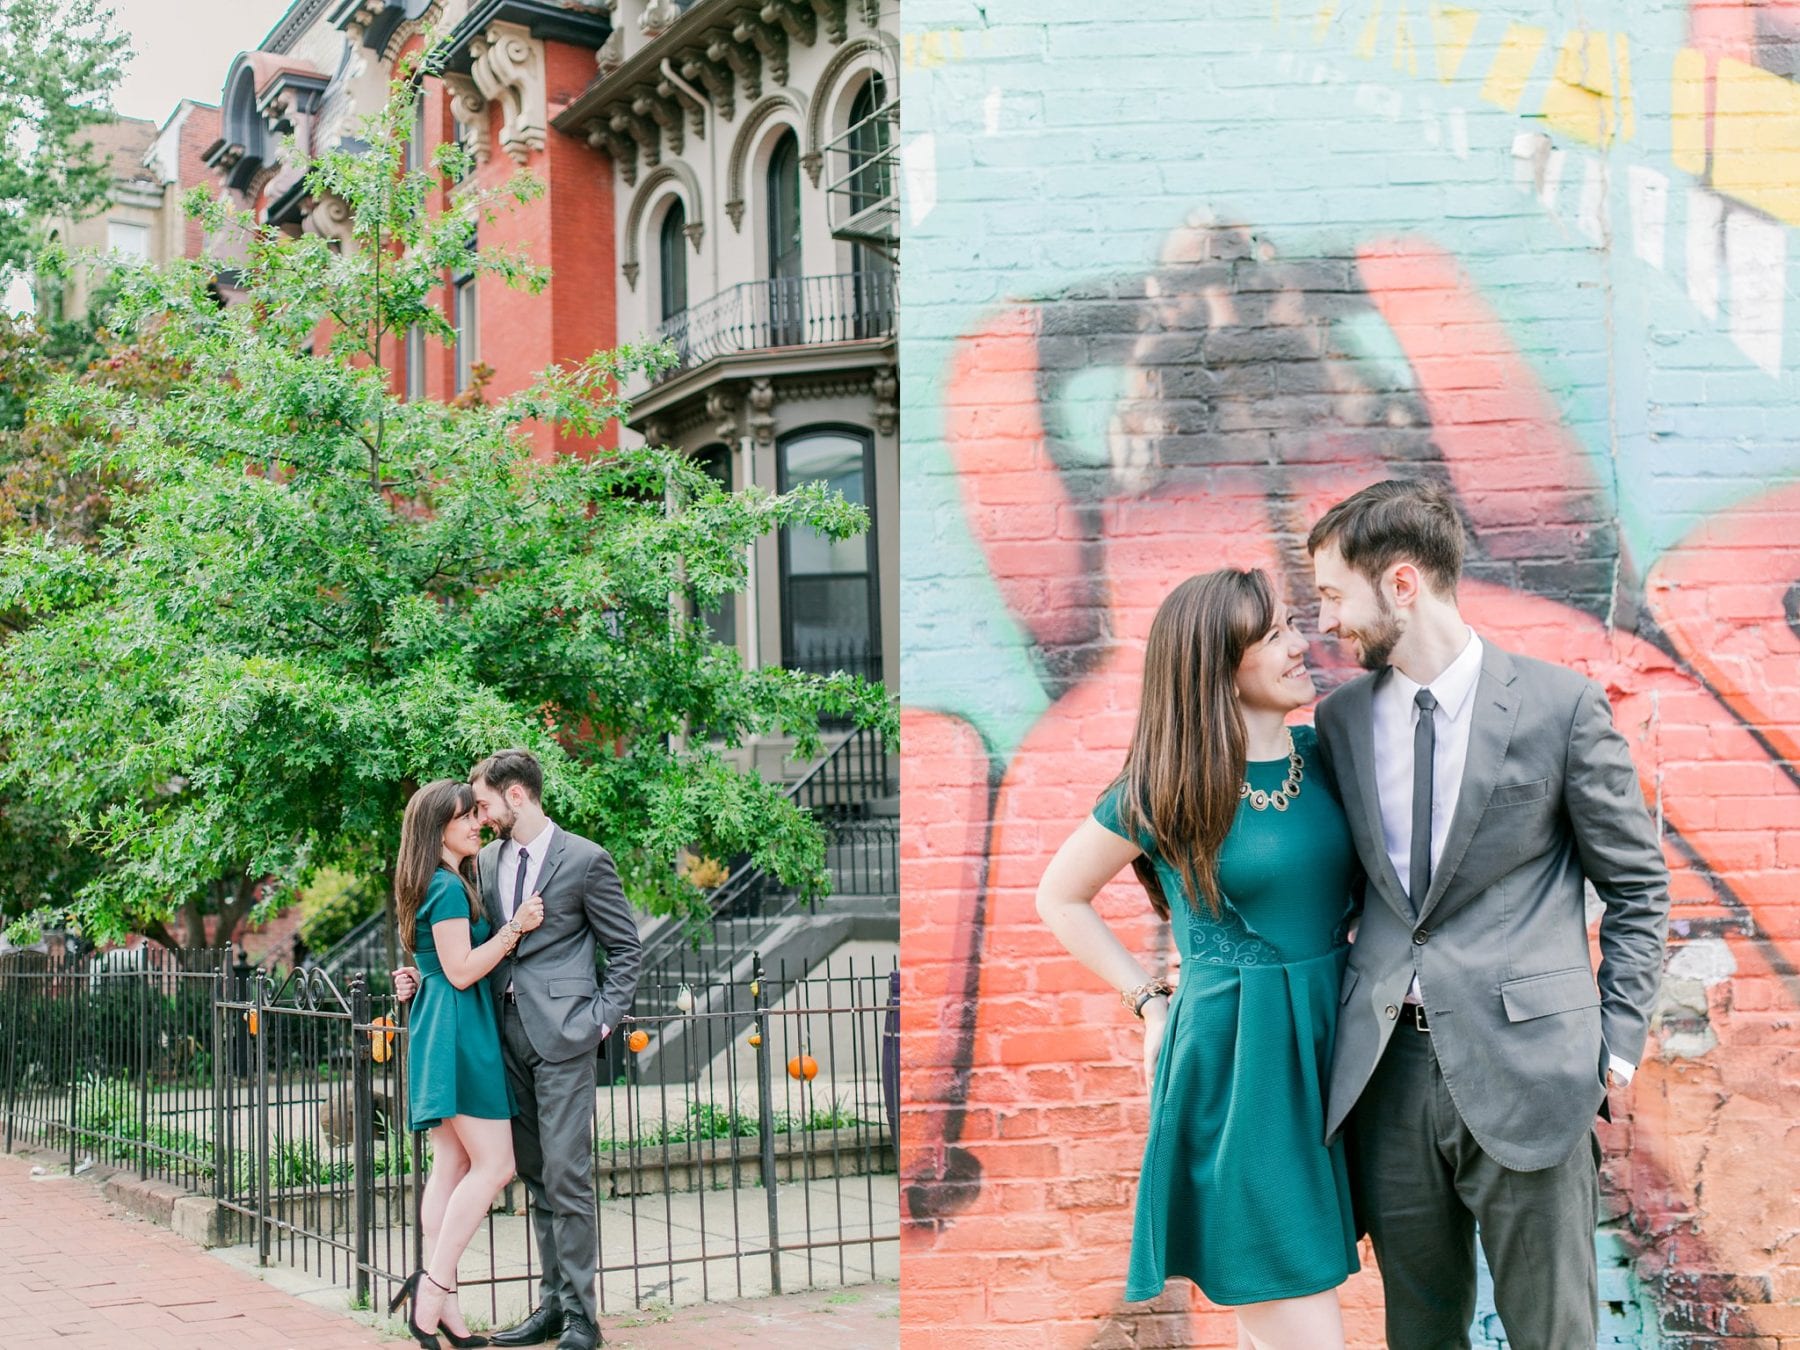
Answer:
(1177, 284)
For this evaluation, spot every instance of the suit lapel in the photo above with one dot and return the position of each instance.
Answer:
(487, 869)
(1359, 717)
(1495, 712)
(553, 859)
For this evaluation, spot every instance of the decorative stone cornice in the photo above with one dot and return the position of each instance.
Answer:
(581, 25)
(729, 49)
(508, 66)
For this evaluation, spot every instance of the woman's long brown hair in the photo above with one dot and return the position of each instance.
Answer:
(431, 809)
(1186, 762)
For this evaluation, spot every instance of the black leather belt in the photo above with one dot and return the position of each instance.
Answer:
(1413, 1015)
(509, 996)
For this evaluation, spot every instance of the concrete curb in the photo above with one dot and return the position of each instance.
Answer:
(198, 1219)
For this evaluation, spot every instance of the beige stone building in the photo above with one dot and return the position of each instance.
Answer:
(152, 167)
(753, 147)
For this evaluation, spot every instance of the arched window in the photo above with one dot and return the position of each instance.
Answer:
(722, 619)
(871, 181)
(673, 260)
(782, 190)
(871, 176)
(830, 618)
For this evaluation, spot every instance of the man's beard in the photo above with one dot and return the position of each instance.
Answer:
(503, 825)
(1376, 644)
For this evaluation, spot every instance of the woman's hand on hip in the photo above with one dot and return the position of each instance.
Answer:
(1156, 1025)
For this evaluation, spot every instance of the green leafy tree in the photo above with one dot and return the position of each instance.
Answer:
(60, 60)
(316, 595)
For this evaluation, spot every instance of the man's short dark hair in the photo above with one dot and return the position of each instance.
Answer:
(500, 771)
(1392, 521)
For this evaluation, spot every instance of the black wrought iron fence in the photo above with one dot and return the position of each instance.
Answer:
(114, 1058)
(745, 1144)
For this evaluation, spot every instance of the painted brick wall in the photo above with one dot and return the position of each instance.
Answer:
(1177, 278)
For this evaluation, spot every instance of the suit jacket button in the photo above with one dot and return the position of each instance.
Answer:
(1421, 937)
(1392, 1011)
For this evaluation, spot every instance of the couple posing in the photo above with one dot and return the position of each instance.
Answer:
(504, 940)
(1387, 1019)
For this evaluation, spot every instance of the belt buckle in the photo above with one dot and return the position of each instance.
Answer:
(1420, 1021)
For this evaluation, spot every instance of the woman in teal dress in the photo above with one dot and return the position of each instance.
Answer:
(456, 1087)
(1228, 819)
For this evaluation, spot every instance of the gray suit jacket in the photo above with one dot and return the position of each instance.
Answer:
(1549, 797)
(561, 1005)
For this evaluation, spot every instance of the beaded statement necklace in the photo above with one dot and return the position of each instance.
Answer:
(1279, 799)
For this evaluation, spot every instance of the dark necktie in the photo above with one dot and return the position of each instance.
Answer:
(519, 884)
(1424, 746)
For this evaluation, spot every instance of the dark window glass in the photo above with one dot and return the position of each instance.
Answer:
(721, 620)
(871, 181)
(415, 363)
(786, 310)
(466, 320)
(828, 603)
(673, 261)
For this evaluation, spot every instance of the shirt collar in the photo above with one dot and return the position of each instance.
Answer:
(1454, 688)
(534, 845)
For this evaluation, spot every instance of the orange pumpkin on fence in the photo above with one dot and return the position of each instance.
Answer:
(381, 1039)
(638, 1040)
(803, 1066)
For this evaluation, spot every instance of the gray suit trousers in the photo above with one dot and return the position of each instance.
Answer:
(553, 1150)
(1422, 1184)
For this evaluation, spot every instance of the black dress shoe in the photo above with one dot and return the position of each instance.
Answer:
(534, 1330)
(578, 1334)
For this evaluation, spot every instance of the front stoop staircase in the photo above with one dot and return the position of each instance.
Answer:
(854, 792)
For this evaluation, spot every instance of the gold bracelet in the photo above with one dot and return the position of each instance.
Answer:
(1138, 995)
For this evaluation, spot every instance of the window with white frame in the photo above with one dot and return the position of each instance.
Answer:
(128, 239)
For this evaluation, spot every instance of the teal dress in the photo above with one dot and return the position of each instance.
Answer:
(1239, 1193)
(453, 1063)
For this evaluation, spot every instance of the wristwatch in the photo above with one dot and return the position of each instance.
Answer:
(1138, 995)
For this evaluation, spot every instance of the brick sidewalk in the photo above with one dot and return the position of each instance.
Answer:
(77, 1272)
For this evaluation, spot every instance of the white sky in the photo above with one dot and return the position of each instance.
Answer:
(181, 49)
(184, 47)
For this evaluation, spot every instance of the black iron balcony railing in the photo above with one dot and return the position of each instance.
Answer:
(782, 312)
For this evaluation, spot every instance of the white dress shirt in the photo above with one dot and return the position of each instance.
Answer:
(1396, 717)
(535, 849)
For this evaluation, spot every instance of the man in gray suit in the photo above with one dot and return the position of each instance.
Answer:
(1474, 1047)
(553, 1017)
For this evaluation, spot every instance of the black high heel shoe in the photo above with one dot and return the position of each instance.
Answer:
(468, 1342)
(408, 1293)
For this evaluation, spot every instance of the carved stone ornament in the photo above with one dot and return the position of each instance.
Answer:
(656, 431)
(469, 109)
(832, 14)
(885, 386)
(735, 210)
(723, 48)
(762, 412)
(610, 55)
(695, 231)
(657, 16)
(812, 161)
(623, 150)
(631, 271)
(722, 407)
(509, 66)
(330, 218)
